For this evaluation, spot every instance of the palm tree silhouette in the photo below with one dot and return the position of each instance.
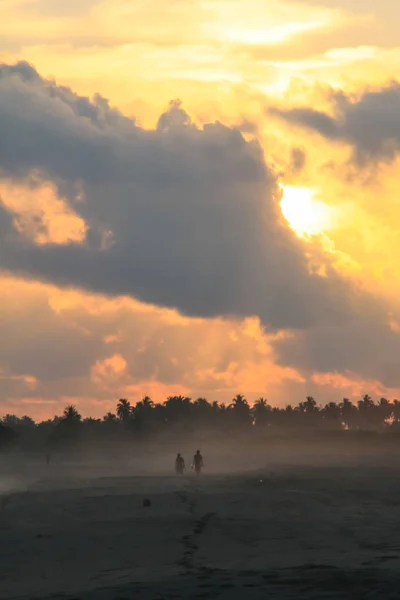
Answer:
(7, 435)
(110, 418)
(178, 415)
(261, 412)
(383, 411)
(396, 411)
(124, 410)
(177, 407)
(332, 415)
(366, 412)
(71, 414)
(240, 410)
(348, 413)
(145, 406)
(143, 412)
(309, 406)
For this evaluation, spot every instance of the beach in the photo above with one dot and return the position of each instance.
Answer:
(70, 532)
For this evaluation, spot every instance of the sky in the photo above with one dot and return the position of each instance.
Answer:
(198, 198)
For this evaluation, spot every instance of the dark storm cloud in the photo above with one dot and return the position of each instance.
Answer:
(371, 124)
(192, 212)
(179, 216)
(370, 349)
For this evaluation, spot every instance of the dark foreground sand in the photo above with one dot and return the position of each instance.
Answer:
(326, 532)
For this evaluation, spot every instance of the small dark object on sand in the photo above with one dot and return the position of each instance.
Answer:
(146, 503)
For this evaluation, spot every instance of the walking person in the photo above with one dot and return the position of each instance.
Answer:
(179, 465)
(198, 462)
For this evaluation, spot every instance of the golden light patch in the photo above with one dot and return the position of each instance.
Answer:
(269, 36)
(28, 380)
(110, 372)
(305, 215)
(149, 49)
(40, 214)
(350, 384)
(264, 23)
(252, 329)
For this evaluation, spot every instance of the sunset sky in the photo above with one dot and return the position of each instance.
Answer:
(198, 198)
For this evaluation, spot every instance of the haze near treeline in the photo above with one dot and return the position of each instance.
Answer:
(179, 417)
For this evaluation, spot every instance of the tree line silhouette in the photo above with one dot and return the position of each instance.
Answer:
(182, 414)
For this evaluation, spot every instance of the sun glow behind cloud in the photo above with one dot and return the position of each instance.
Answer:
(305, 215)
(277, 34)
(266, 24)
(227, 60)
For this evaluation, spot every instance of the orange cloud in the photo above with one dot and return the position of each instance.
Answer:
(109, 373)
(40, 213)
(98, 347)
(353, 386)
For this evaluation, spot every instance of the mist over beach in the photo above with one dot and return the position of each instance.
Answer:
(292, 516)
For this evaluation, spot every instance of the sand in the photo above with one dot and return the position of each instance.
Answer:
(70, 532)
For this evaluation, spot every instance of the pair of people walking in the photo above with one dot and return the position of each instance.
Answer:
(197, 464)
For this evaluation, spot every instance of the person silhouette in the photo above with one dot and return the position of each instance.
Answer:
(198, 462)
(179, 465)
